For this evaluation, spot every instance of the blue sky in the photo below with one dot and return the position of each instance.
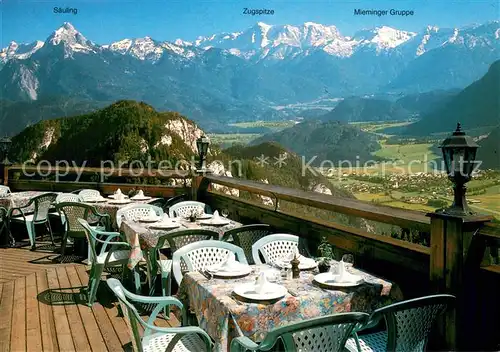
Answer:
(105, 21)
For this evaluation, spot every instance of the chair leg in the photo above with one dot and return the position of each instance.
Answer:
(94, 281)
(137, 280)
(63, 243)
(30, 227)
(166, 288)
(47, 224)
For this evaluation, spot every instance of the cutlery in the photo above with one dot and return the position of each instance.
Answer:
(206, 274)
(293, 293)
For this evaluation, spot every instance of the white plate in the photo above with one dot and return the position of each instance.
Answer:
(308, 264)
(329, 279)
(220, 222)
(243, 270)
(123, 201)
(156, 219)
(164, 226)
(99, 200)
(141, 198)
(204, 216)
(248, 291)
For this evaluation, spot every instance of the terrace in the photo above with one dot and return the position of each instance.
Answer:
(42, 301)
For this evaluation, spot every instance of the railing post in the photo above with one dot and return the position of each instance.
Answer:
(5, 173)
(451, 266)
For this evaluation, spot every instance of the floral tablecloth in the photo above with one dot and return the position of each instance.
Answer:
(225, 317)
(142, 238)
(19, 199)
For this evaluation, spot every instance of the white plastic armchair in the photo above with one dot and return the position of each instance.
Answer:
(68, 197)
(136, 211)
(86, 194)
(198, 255)
(274, 247)
(184, 209)
(155, 338)
(4, 190)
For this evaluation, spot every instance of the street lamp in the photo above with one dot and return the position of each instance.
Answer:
(5, 144)
(202, 144)
(459, 154)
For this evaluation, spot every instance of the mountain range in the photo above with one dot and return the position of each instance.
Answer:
(244, 76)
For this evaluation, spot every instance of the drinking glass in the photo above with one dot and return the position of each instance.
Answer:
(348, 260)
(225, 213)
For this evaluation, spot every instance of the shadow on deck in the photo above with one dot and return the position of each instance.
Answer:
(42, 305)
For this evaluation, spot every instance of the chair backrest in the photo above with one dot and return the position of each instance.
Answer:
(177, 199)
(327, 333)
(273, 247)
(246, 236)
(4, 190)
(68, 197)
(184, 209)
(409, 322)
(86, 194)
(43, 204)
(136, 211)
(72, 212)
(199, 255)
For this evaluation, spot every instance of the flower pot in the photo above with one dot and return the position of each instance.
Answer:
(323, 267)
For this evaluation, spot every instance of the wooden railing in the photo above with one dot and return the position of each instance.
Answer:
(462, 258)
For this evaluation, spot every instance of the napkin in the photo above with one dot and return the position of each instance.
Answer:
(140, 194)
(118, 191)
(344, 275)
(215, 217)
(119, 196)
(228, 264)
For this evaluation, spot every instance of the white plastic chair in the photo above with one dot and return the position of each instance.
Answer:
(274, 247)
(198, 255)
(4, 190)
(184, 209)
(68, 197)
(86, 194)
(136, 211)
(155, 338)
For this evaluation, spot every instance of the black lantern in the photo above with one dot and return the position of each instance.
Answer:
(459, 154)
(202, 144)
(5, 143)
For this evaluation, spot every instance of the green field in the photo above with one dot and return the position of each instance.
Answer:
(228, 139)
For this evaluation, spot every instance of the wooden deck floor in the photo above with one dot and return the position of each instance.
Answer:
(42, 307)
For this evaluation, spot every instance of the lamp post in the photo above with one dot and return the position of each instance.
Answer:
(5, 144)
(459, 154)
(202, 144)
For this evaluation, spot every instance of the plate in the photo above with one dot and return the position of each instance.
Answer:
(141, 198)
(274, 291)
(156, 219)
(123, 201)
(329, 279)
(308, 264)
(98, 200)
(244, 270)
(164, 226)
(221, 222)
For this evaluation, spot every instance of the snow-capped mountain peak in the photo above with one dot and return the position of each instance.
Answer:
(72, 40)
(19, 51)
(384, 37)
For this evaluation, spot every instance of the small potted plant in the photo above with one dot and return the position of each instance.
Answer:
(326, 251)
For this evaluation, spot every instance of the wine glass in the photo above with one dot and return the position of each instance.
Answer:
(348, 260)
(225, 213)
